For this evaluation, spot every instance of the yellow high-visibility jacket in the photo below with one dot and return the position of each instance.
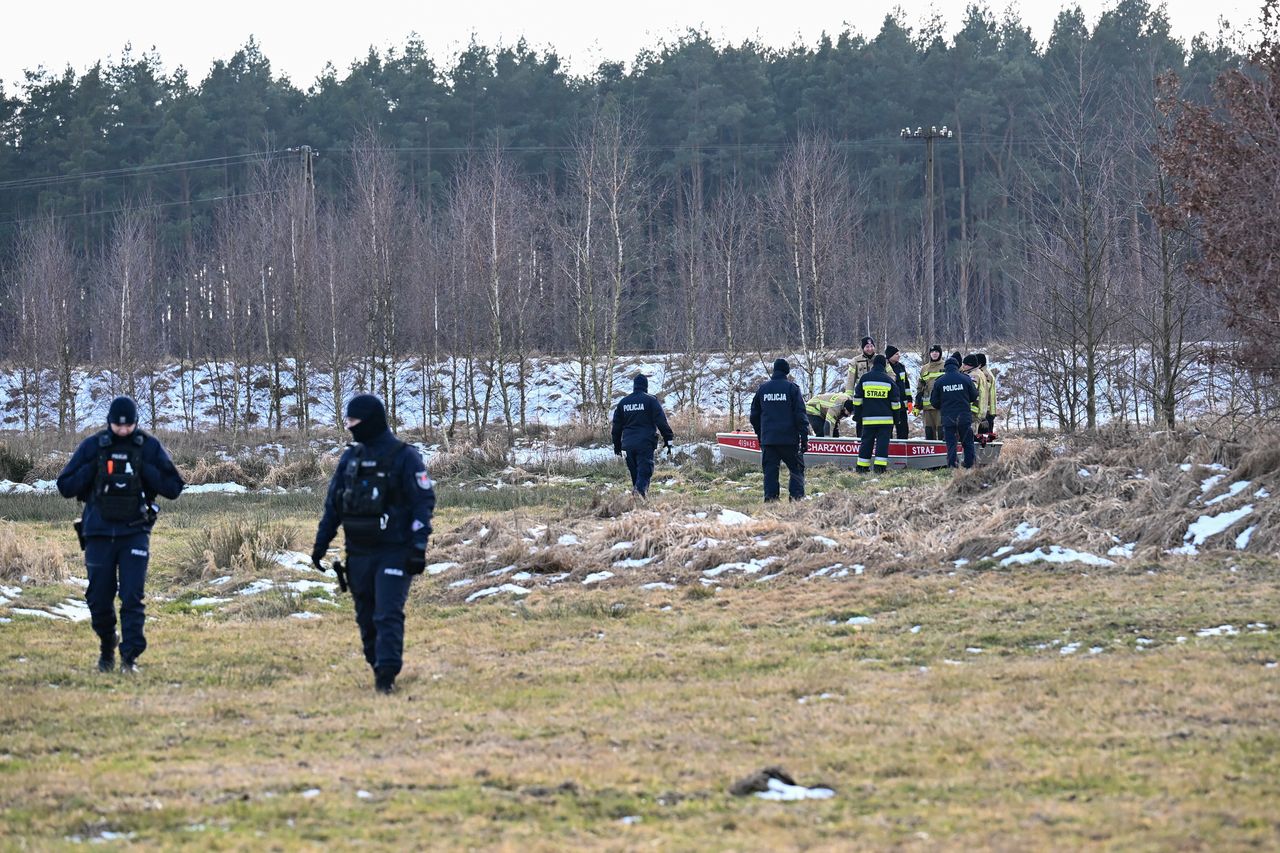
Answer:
(830, 406)
(857, 367)
(930, 371)
(990, 391)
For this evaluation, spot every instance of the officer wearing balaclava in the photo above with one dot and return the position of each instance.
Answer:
(383, 498)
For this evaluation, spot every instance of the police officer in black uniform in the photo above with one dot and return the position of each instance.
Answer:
(118, 473)
(777, 416)
(955, 396)
(383, 498)
(637, 421)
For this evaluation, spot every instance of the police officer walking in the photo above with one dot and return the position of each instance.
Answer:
(955, 396)
(778, 418)
(878, 399)
(383, 498)
(637, 420)
(118, 473)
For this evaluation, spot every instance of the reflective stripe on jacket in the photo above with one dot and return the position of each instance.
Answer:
(876, 397)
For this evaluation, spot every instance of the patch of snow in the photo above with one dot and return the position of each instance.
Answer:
(259, 586)
(1208, 483)
(821, 697)
(9, 592)
(310, 793)
(1002, 550)
(1220, 631)
(1262, 493)
(439, 568)
(730, 517)
(974, 650)
(461, 583)
(1125, 551)
(294, 560)
(505, 570)
(5, 620)
(222, 581)
(215, 488)
(83, 583)
(1083, 472)
(307, 586)
(1235, 489)
(27, 611)
(596, 577)
(621, 546)
(208, 601)
(1056, 554)
(779, 790)
(522, 577)
(915, 629)
(568, 539)
(854, 620)
(825, 541)
(633, 562)
(658, 585)
(1095, 650)
(76, 611)
(628, 820)
(963, 561)
(1024, 532)
(305, 615)
(363, 795)
(1069, 649)
(497, 590)
(1207, 526)
(1145, 641)
(1242, 541)
(556, 578)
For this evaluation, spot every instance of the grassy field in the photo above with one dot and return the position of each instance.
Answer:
(1038, 707)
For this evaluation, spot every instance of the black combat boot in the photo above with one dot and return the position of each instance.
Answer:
(107, 653)
(384, 683)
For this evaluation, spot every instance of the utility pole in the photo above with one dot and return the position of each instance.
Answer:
(930, 297)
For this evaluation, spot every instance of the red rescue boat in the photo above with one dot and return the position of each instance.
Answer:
(919, 453)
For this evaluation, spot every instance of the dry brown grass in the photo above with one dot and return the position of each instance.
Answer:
(23, 555)
(207, 470)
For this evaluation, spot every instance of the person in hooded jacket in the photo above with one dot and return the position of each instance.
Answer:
(118, 473)
(929, 373)
(893, 359)
(383, 498)
(955, 396)
(778, 418)
(637, 421)
(877, 398)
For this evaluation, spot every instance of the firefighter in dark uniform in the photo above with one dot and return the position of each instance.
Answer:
(383, 498)
(892, 355)
(118, 473)
(857, 367)
(877, 398)
(637, 421)
(777, 416)
(955, 396)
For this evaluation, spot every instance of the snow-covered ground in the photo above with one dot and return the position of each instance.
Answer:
(553, 396)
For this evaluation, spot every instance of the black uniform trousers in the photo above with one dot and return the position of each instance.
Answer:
(379, 586)
(875, 437)
(820, 428)
(118, 564)
(774, 455)
(640, 467)
(900, 427)
(958, 430)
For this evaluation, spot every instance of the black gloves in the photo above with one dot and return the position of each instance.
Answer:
(317, 554)
(416, 564)
(668, 448)
(804, 444)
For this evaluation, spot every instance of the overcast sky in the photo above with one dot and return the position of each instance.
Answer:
(299, 38)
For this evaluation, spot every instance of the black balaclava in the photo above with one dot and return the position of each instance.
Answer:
(781, 367)
(122, 411)
(640, 383)
(369, 410)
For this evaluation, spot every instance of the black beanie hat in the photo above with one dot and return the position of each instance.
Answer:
(970, 360)
(122, 411)
(879, 361)
(868, 340)
(956, 355)
(952, 361)
(369, 410)
(890, 351)
(780, 366)
(982, 359)
(640, 382)
(935, 348)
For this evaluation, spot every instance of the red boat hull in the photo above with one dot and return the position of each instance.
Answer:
(916, 453)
